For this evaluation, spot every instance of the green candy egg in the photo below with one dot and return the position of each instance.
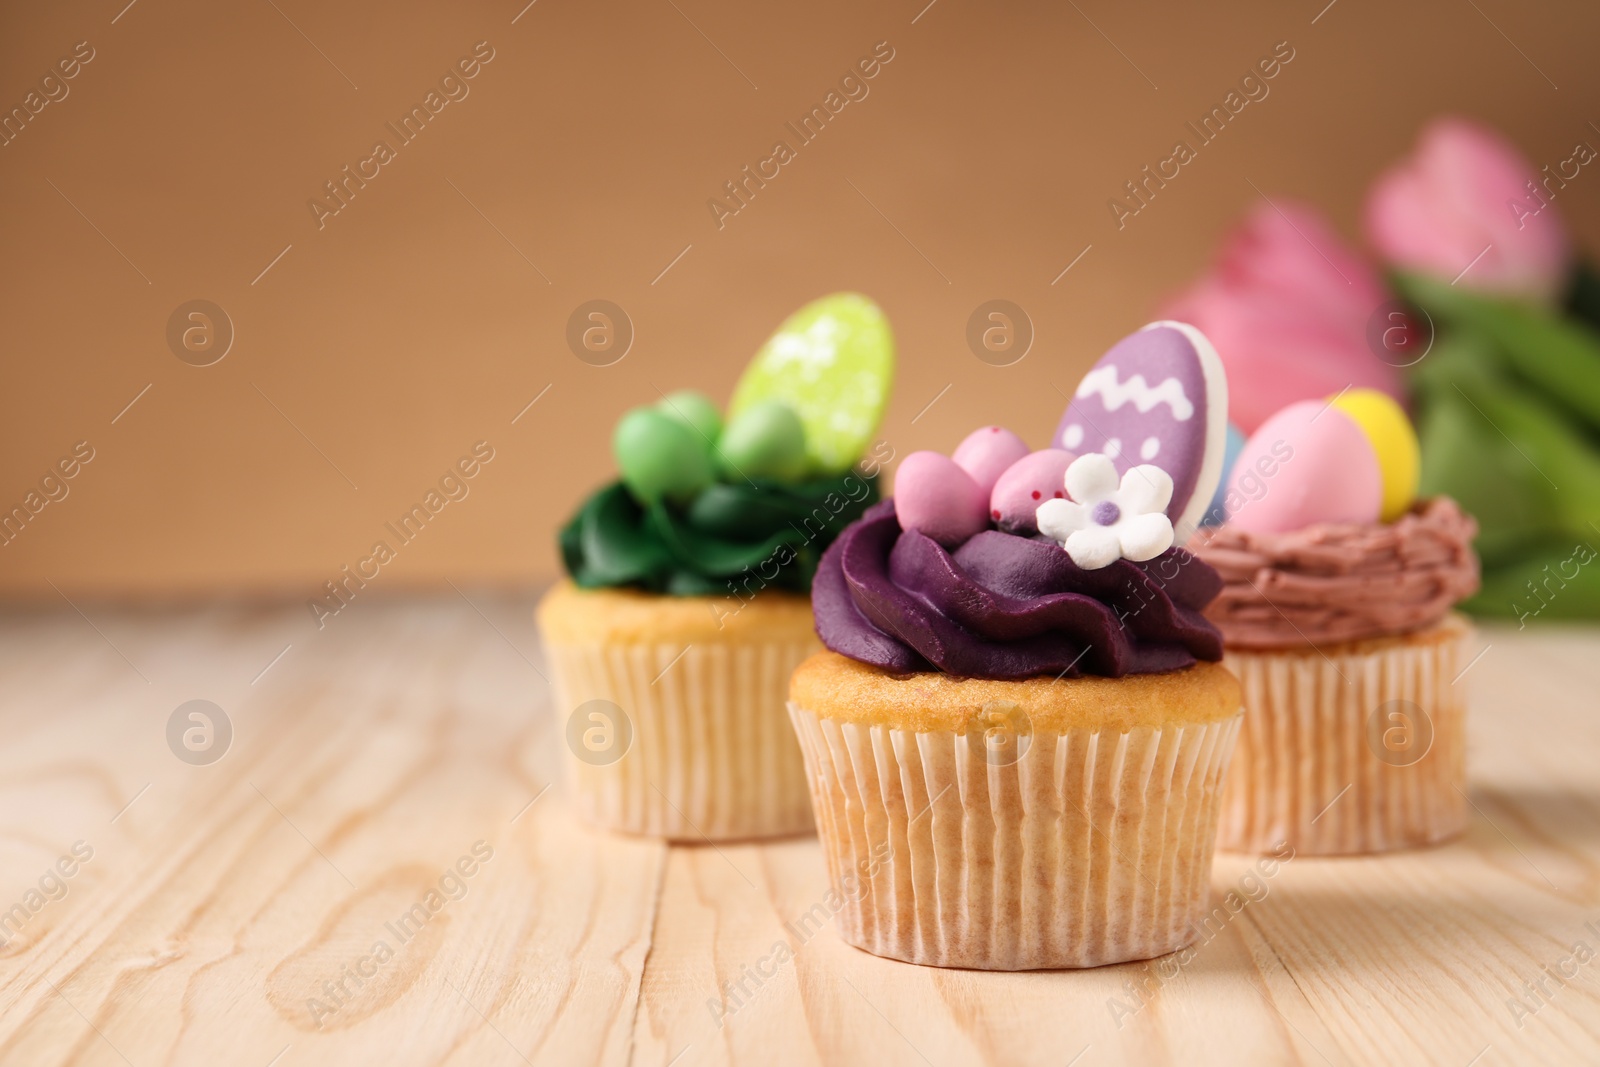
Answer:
(833, 362)
(694, 409)
(765, 440)
(661, 457)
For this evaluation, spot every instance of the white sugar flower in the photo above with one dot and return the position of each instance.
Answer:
(1105, 522)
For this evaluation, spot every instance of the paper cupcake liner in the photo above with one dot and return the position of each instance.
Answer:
(1352, 750)
(1092, 848)
(711, 754)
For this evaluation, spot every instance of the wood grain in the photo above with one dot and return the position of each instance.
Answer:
(233, 912)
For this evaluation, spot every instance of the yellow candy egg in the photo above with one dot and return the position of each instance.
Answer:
(1385, 423)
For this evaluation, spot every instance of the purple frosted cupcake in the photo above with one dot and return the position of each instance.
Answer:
(1017, 736)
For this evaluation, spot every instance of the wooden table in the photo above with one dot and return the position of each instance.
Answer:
(411, 741)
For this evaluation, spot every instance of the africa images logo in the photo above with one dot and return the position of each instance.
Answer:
(453, 87)
(1253, 88)
(853, 87)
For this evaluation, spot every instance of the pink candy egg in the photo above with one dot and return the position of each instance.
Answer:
(932, 494)
(1310, 463)
(987, 452)
(1027, 483)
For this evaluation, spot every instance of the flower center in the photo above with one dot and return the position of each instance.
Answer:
(1105, 513)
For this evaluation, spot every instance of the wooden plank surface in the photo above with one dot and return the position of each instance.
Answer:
(264, 908)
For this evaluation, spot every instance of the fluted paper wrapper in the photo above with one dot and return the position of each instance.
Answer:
(1349, 751)
(712, 755)
(1092, 848)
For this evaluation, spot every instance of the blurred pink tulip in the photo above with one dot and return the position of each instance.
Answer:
(1287, 305)
(1463, 191)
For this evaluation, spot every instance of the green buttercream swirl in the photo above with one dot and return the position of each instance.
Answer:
(768, 531)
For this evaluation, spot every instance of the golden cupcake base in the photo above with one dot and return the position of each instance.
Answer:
(1356, 748)
(675, 726)
(1015, 825)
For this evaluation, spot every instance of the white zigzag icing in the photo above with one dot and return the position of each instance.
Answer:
(1103, 380)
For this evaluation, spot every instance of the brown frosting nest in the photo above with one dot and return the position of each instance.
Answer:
(1340, 582)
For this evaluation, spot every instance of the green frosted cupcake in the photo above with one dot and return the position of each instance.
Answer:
(687, 605)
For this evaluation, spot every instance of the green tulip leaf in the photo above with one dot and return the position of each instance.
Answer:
(1550, 580)
(1559, 355)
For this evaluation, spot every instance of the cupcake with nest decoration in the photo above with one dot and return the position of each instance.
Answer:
(1337, 613)
(686, 609)
(1017, 734)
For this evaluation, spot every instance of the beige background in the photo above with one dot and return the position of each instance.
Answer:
(415, 322)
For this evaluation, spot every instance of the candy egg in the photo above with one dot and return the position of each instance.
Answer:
(1031, 480)
(765, 440)
(986, 453)
(695, 409)
(1308, 464)
(1158, 396)
(832, 361)
(1217, 513)
(1399, 457)
(660, 457)
(933, 495)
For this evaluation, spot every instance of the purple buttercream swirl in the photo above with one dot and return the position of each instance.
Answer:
(1002, 606)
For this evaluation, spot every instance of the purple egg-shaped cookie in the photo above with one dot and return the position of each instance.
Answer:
(1158, 396)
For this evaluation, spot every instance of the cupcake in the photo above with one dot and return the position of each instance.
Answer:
(685, 608)
(1337, 615)
(1017, 734)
